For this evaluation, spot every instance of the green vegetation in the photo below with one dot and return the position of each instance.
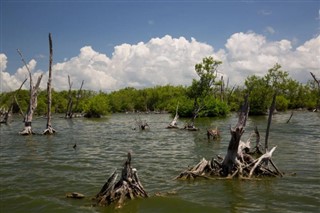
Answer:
(206, 95)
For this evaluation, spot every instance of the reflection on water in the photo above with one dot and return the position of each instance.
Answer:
(36, 171)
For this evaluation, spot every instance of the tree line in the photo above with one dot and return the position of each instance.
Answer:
(212, 95)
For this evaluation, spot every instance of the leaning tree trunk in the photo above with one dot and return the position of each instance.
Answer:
(318, 83)
(70, 102)
(32, 101)
(49, 130)
(230, 161)
(6, 114)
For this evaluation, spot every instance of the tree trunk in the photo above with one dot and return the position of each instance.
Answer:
(230, 160)
(69, 106)
(32, 101)
(271, 110)
(49, 130)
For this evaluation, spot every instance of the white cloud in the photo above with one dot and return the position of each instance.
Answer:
(170, 60)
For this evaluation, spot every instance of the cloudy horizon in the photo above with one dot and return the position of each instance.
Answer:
(169, 60)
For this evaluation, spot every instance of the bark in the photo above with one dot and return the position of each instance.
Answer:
(127, 188)
(49, 130)
(32, 101)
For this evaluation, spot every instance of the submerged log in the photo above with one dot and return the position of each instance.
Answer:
(127, 188)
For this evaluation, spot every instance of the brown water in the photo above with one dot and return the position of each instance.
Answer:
(37, 171)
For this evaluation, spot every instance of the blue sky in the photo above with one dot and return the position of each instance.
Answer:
(103, 25)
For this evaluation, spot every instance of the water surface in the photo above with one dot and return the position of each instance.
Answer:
(37, 171)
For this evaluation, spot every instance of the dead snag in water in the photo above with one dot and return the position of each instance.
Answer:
(142, 124)
(230, 160)
(240, 159)
(33, 101)
(214, 133)
(290, 117)
(49, 130)
(128, 187)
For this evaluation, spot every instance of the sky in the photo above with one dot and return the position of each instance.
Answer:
(116, 44)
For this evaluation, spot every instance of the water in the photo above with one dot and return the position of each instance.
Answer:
(37, 171)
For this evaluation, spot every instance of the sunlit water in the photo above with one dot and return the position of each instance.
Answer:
(37, 171)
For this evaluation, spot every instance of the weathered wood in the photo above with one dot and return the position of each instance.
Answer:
(173, 124)
(32, 101)
(117, 192)
(49, 130)
(230, 160)
(271, 110)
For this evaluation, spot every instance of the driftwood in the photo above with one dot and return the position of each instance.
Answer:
(117, 192)
(49, 130)
(32, 101)
(240, 158)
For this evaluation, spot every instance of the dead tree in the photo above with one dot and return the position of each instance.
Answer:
(49, 130)
(69, 112)
(318, 83)
(5, 114)
(238, 162)
(70, 101)
(230, 160)
(78, 96)
(173, 124)
(117, 192)
(32, 101)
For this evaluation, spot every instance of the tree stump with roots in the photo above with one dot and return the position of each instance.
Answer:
(128, 187)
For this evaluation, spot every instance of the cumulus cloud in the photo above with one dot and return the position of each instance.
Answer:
(13, 82)
(250, 53)
(169, 60)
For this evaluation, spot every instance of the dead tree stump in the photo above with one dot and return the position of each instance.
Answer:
(238, 162)
(117, 192)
